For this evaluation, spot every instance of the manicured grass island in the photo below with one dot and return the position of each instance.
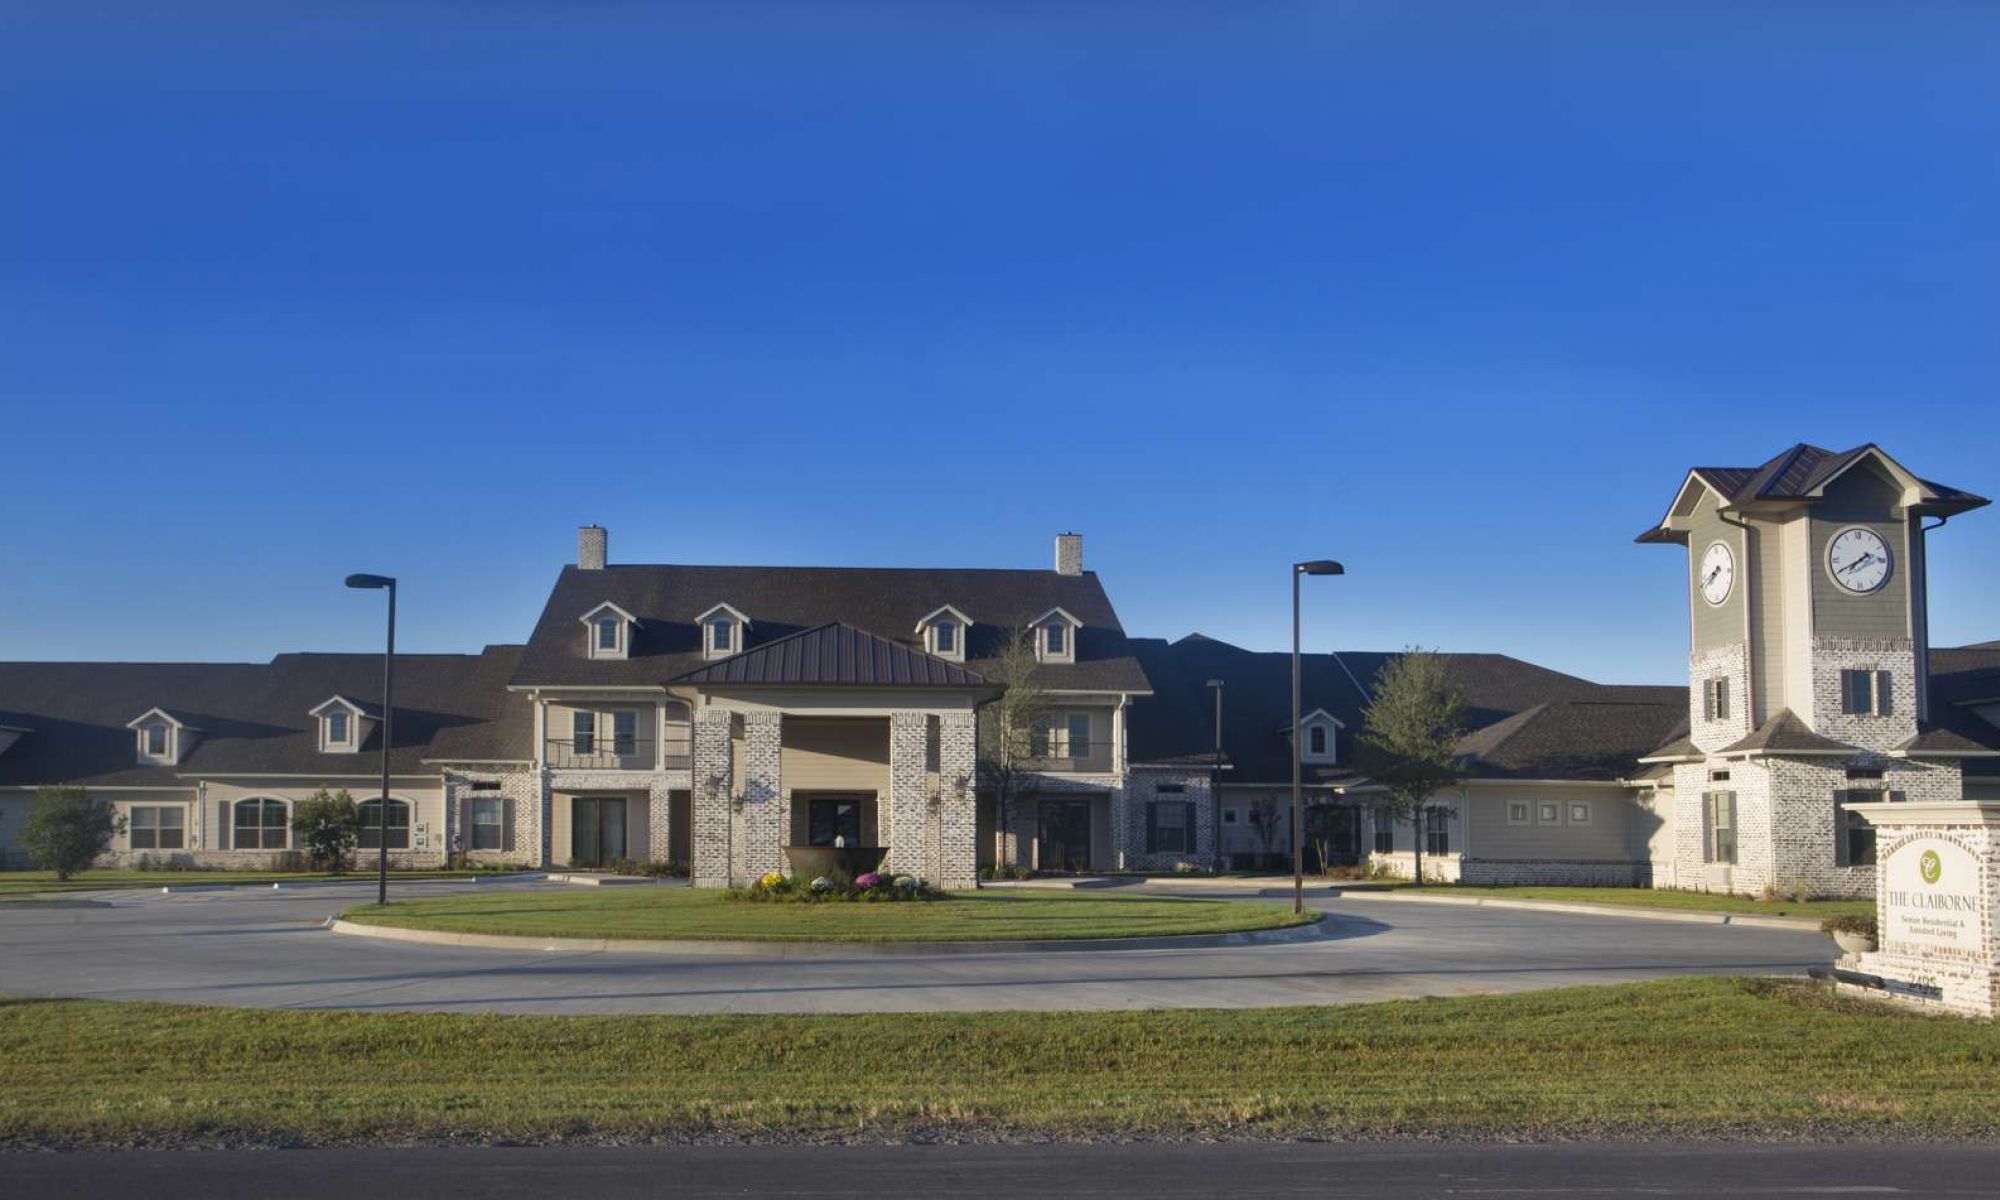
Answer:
(675, 914)
(14, 883)
(1661, 898)
(1685, 1058)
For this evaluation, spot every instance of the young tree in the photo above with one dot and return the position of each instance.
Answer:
(1008, 725)
(66, 830)
(1409, 739)
(1264, 818)
(327, 824)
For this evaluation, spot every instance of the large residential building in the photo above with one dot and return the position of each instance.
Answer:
(714, 716)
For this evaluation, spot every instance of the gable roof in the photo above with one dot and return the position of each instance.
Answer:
(255, 718)
(883, 602)
(1802, 472)
(1785, 733)
(1176, 723)
(1598, 736)
(835, 655)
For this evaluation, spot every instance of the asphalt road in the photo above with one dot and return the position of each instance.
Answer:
(258, 947)
(829, 1172)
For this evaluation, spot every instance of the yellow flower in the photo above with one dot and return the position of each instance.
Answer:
(771, 879)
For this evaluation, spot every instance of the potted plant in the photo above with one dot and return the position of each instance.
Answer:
(1852, 932)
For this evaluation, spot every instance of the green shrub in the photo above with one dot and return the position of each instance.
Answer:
(327, 824)
(66, 830)
(1849, 923)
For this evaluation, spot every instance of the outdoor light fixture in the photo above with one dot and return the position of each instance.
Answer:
(1317, 566)
(373, 582)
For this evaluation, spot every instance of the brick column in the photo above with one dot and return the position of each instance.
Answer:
(904, 820)
(958, 811)
(710, 809)
(763, 816)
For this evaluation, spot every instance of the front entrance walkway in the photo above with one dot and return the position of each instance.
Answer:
(269, 949)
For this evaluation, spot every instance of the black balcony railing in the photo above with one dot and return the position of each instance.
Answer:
(609, 752)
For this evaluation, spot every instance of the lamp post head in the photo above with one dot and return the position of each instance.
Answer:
(1319, 566)
(370, 581)
(1214, 683)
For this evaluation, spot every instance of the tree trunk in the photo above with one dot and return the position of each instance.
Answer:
(1417, 843)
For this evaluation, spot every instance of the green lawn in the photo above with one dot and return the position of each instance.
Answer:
(1681, 1058)
(19, 882)
(711, 915)
(1664, 898)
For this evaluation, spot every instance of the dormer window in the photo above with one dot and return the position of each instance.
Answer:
(1321, 743)
(1055, 636)
(162, 738)
(943, 632)
(342, 725)
(608, 631)
(721, 631)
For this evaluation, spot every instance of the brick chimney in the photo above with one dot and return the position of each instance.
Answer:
(591, 542)
(1069, 554)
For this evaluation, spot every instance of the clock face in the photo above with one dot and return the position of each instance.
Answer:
(1858, 559)
(1717, 574)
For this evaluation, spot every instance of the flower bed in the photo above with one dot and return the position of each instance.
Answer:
(872, 887)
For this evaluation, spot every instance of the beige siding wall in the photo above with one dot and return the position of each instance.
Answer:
(1494, 829)
(849, 754)
(1765, 595)
(1794, 584)
(426, 800)
(1866, 498)
(1714, 625)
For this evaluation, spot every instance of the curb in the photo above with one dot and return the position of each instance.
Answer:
(278, 885)
(1631, 912)
(1312, 931)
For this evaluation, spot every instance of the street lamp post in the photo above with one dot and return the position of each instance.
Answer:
(1317, 566)
(388, 728)
(1215, 786)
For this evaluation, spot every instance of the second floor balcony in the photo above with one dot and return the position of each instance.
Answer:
(619, 752)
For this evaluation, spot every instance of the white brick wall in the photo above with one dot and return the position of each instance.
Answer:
(1730, 661)
(713, 842)
(1831, 656)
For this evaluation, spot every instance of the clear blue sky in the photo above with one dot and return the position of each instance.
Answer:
(1452, 292)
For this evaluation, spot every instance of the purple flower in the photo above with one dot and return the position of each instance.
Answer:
(868, 880)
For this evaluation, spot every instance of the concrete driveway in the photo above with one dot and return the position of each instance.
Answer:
(256, 947)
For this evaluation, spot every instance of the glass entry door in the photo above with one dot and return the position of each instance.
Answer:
(596, 830)
(1064, 842)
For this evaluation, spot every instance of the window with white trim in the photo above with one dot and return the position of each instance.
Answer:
(1055, 640)
(260, 823)
(944, 636)
(338, 727)
(607, 628)
(1715, 699)
(1316, 740)
(1718, 827)
(488, 823)
(156, 739)
(1385, 831)
(1579, 812)
(1866, 693)
(150, 827)
(721, 635)
(1548, 812)
(1437, 832)
(371, 825)
(1518, 813)
(583, 732)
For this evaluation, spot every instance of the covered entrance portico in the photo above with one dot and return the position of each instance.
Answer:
(834, 734)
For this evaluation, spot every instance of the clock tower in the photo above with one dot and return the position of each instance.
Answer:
(1808, 671)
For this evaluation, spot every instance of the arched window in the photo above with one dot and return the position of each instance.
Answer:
(371, 824)
(261, 824)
